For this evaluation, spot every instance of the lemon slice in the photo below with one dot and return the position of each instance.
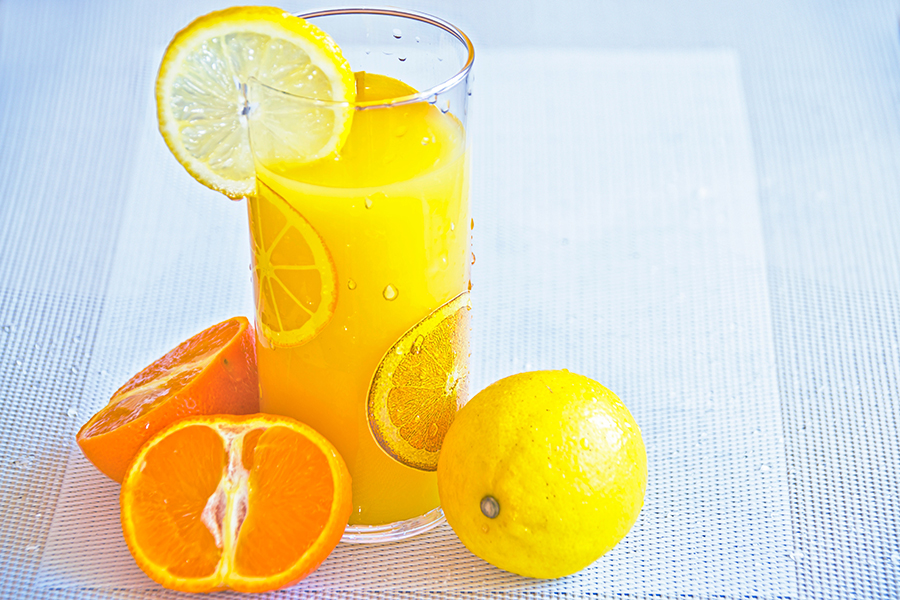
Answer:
(422, 381)
(203, 106)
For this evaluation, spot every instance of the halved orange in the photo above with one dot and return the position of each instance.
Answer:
(420, 384)
(212, 372)
(249, 503)
(295, 277)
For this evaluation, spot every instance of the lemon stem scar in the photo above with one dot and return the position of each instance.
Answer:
(490, 507)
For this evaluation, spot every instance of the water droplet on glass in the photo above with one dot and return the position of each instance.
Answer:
(796, 556)
(368, 203)
(586, 445)
(351, 284)
(444, 259)
(401, 58)
(765, 469)
(432, 99)
(472, 224)
(75, 370)
(452, 225)
(490, 507)
(31, 549)
(401, 131)
(895, 558)
(72, 412)
(368, 50)
(417, 39)
(416, 347)
(470, 285)
(426, 141)
(473, 258)
(7, 329)
(77, 337)
(397, 34)
(390, 292)
(445, 106)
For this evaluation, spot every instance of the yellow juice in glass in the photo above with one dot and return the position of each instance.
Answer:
(361, 270)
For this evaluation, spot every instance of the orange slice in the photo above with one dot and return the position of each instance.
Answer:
(212, 372)
(295, 278)
(422, 381)
(249, 503)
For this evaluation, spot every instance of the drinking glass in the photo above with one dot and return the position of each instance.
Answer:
(361, 263)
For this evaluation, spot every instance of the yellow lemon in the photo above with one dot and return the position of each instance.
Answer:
(542, 473)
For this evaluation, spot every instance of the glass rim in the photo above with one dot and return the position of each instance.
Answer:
(423, 95)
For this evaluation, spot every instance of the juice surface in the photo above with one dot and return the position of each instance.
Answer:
(392, 210)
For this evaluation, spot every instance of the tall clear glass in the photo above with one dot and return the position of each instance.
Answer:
(361, 267)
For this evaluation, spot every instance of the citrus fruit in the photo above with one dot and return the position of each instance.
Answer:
(420, 384)
(541, 473)
(212, 372)
(250, 503)
(295, 277)
(202, 98)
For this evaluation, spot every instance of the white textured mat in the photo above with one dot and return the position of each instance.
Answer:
(618, 235)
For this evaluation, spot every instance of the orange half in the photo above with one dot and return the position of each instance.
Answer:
(212, 372)
(249, 503)
(422, 381)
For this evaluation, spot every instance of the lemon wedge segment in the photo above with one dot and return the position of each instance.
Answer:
(203, 106)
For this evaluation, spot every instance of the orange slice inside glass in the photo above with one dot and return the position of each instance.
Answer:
(420, 384)
(249, 503)
(295, 277)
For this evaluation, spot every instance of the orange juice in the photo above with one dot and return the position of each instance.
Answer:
(351, 252)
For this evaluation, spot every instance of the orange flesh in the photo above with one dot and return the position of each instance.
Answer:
(171, 530)
(164, 378)
(281, 526)
(227, 503)
(423, 401)
(290, 282)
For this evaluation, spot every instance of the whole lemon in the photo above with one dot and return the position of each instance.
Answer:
(541, 473)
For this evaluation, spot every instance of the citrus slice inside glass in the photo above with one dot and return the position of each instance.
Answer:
(249, 503)
(212, 372)
(420, 384)
(202, 103)
(295, 277)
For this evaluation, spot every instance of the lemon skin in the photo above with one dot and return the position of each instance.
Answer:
(563, 460)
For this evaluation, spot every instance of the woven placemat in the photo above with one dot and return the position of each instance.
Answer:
(617, 235)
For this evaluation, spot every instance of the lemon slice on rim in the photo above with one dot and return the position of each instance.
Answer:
(203, 106)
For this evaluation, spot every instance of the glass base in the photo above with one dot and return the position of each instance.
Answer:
(393, 532)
